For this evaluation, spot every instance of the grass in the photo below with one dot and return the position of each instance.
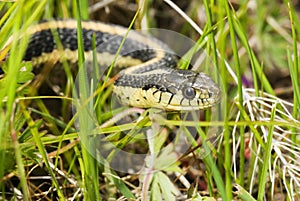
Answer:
(255, 157)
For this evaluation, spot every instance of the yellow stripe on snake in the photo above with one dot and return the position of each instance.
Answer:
(149, 78)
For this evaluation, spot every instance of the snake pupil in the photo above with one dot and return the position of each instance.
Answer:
(189, 92)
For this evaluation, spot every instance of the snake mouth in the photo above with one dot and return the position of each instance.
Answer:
(197, 104)
(202, 99)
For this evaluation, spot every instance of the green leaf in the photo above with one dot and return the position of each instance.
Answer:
(167, 160)
(243, 194)
(25, 74)
(162, 187)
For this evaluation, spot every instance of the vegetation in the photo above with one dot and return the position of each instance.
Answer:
(246, 148)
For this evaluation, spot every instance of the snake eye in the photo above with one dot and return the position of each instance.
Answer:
(189, 92)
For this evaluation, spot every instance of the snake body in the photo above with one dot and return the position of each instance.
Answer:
(149, 77)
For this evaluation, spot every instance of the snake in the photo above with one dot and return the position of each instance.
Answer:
(149, 75)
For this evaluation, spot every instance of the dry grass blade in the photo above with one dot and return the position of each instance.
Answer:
(285, 159)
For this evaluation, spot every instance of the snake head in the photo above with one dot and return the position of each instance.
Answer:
(176, 90)
(188, 90)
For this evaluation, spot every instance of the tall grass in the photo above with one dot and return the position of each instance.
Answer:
(258, 146)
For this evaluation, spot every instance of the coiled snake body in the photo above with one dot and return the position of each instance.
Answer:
(149, 79)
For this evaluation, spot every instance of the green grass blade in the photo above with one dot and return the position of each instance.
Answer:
(267, 159)
(90, 171)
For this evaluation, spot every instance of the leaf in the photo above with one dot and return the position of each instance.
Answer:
(243, 194)
(162, 187)
(167, 160)
(160, 139)
(25, 74)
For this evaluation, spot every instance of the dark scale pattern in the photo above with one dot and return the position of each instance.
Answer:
(68, 38)
(111, 43)
(167, 63)
(170, 60)
(40, 42)
(43, 41)
(136, 82)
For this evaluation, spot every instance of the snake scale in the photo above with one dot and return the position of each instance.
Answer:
(149, 77)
